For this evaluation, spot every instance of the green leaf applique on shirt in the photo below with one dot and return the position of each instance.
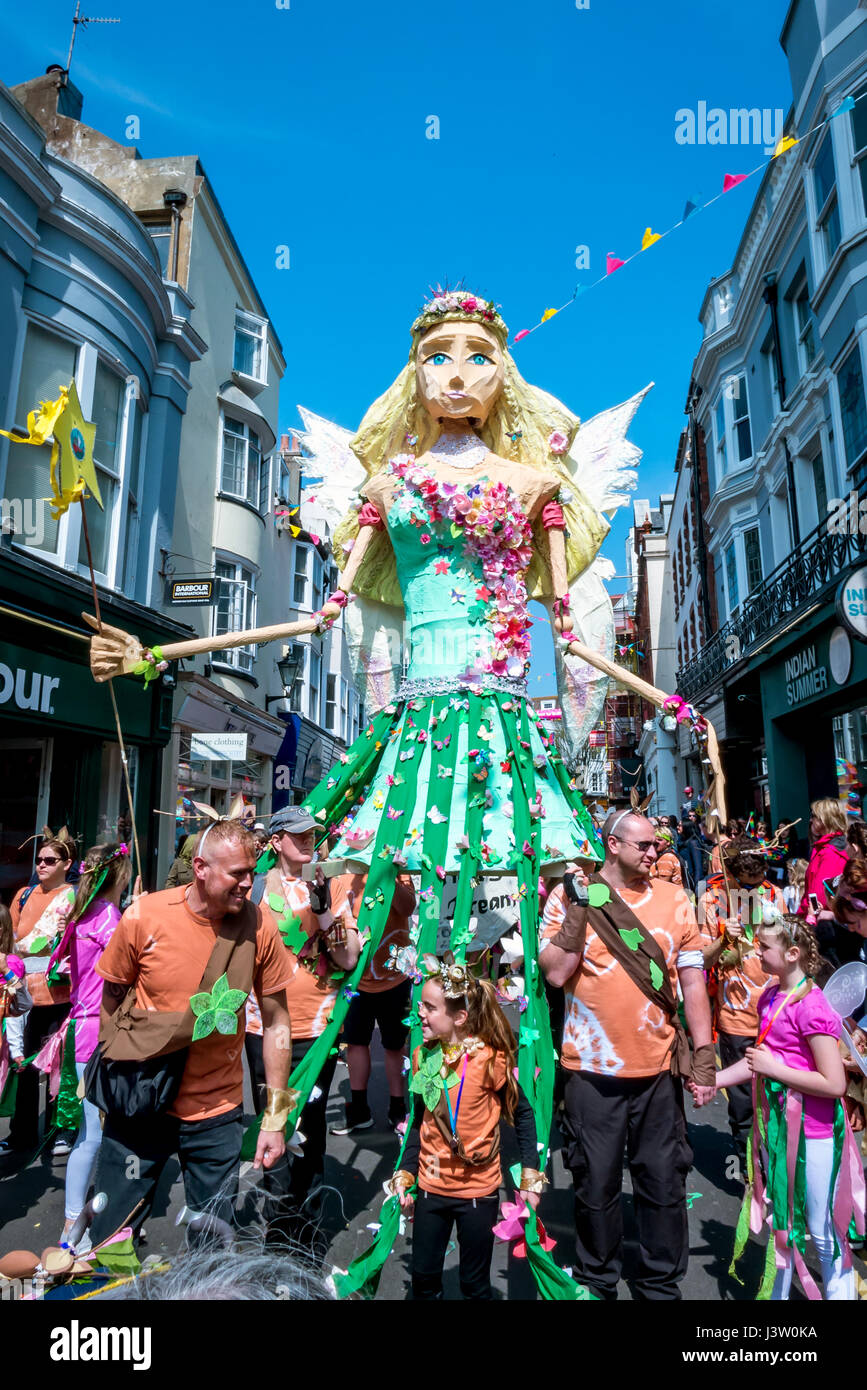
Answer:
(656, 975)
(428, 1081)
(219, 1009)
(633, 937)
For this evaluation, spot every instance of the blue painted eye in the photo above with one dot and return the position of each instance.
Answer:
(439, 358)
(479, 359)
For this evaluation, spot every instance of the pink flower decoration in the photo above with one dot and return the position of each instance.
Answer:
(557, 442)
(469, 305)
(425, 539)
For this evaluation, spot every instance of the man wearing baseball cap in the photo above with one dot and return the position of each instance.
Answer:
(315, 921)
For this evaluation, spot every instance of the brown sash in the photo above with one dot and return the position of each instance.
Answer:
(608, 921)
(131, 1034)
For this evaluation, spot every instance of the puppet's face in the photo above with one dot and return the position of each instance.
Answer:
(459, 371)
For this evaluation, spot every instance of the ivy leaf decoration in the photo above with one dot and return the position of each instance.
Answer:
(428, 1081)
(656, 976)
(217, 1010)
(598, 894)
(633, 938)
(293, 933)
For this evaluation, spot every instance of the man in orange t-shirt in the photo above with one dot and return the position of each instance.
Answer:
(617, 1052)
(383, 1000)
(162, 946)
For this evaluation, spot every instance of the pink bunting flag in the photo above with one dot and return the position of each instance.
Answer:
(612, 264)
(518, 336)
(732, 180)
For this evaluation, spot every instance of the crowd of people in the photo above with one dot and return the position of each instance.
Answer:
(685, 963)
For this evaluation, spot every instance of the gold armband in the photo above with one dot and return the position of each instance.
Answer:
(400, 1182)
(280, 1106)
(532, 1180)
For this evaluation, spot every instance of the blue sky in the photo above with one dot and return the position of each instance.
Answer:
(556, 129)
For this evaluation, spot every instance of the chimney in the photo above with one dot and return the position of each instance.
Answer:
(47, 97)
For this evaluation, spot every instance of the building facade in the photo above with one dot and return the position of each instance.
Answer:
(85, 301)
(778, 393)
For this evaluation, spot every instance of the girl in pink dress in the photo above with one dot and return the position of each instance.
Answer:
(801, 1140)
(105, 874)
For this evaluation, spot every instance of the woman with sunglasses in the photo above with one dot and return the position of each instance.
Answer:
(39, 913)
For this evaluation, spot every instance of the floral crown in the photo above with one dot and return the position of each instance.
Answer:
(455, 978)
(459, 304)
(121, 852)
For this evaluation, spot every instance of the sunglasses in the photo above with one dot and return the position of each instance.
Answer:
(47, 859)
(643, 845)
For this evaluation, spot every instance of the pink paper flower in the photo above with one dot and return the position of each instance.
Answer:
(557, 442)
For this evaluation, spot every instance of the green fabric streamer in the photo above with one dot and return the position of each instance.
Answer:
(148, 669)
(68, 1107)
(10, 1094)
(364, 1273)
(119, 1257)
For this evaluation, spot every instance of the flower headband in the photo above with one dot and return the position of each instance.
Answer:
(455, 304)
(454, 978)
(119, 853)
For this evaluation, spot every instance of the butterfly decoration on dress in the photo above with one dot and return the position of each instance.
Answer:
(403, 960)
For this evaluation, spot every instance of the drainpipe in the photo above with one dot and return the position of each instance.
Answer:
(175, 199)
(769, 295)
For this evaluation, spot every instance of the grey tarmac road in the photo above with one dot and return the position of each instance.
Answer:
(31, 1206)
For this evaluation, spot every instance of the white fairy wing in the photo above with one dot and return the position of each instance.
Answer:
(333, 471)
(581, 688)
(602, 460)
(374, 645)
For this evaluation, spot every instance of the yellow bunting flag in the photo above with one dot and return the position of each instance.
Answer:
(296, 531)
(548, 314)
(649, 238)
(72, 447)
(787, 142)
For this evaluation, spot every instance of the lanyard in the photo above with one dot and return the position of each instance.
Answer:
(453, 1118)
(769, 1025)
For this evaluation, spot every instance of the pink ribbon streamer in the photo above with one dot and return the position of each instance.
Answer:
(50, 1058)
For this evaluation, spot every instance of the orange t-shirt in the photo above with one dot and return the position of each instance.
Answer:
(667, 867)
(740, 985)
(162, 947)
(310, 997)
(47, 910)
(376, 978)
(439, 1169)
(611, 1028)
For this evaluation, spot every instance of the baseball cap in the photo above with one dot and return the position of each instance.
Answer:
(292, 818)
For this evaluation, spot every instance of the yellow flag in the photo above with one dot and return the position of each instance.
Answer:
(649, 238)
(548, 314)
(296, 531)
(785, 144)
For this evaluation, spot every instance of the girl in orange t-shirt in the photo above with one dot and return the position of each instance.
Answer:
(464, 1085)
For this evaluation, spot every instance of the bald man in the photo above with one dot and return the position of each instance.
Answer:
(620, 961)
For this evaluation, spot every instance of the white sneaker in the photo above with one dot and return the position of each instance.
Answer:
(61, 1148)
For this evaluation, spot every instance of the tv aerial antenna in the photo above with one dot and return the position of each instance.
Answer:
(79, 18)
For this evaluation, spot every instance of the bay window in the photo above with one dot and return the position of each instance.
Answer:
(235, 610)
(244, 473)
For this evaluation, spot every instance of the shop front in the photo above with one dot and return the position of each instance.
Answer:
(814, 702)
(59, 749)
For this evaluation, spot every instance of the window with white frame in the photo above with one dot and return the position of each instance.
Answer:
(284, 482)
(251, 336)
(850, 384)
(820, 486)
(771, 368)
(318, 581)
(300, 576)
(720, 431)
(331, 707)
(235, 610)
(48, 362)
(753, 558)
(243, 471)
(858, 118)
(731, 562)
(296, 700)
(804, 331)
(827, 205)
(133, 502)
(107, 413)
(737, 391)
(314, 687)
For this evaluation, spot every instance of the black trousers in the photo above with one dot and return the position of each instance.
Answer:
(41, 1022)
(604, 1115)
(434, 1218)
(132, 1158)
(290, 1182)
(732, 1049)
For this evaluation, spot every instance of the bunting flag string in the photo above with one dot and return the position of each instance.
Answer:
(693, 205)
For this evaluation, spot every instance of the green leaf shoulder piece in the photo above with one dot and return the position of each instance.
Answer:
(217, 1010)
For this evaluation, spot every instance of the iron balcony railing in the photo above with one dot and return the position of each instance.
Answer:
(806, 578)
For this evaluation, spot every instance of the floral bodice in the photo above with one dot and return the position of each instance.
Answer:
(462, 550)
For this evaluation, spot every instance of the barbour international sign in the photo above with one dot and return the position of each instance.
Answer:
(189, 593)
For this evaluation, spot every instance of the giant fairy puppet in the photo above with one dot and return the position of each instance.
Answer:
(469, 494)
